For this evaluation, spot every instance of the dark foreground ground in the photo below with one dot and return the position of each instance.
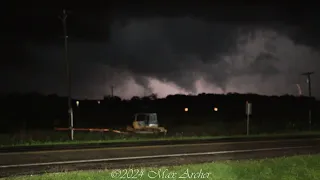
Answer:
(20, 163)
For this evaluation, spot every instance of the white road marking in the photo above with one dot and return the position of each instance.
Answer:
(154, 146)
(148, 157)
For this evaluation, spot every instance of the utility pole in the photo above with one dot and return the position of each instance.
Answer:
(248, 112)
(308, 74)
(70, 112)
(112, 90)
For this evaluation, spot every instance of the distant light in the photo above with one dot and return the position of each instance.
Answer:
(186, 109)
(215, 109)
(77, 102)
(98, 102)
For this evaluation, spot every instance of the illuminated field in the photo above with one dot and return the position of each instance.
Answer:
(297, 167)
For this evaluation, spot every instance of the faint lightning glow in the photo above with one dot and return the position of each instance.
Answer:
(299, 89)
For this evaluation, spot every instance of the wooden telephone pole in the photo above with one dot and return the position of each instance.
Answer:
(112, 87)
(70, 112)
(308, 74)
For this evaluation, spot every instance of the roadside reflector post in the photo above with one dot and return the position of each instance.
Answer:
(248, 112)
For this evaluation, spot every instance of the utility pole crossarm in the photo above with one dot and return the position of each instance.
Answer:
(308, 74)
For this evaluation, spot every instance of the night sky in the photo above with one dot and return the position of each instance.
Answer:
(161, 48)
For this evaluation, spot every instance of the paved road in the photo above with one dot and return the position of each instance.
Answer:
(150, 143)
(115, 157)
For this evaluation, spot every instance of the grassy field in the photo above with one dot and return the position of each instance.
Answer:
(55, 138)
(287, 168)
(212, 130)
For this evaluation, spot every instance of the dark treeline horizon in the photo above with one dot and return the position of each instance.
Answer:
(152, 96)
(269, 113)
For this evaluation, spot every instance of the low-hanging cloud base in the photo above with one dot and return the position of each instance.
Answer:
(173, 56)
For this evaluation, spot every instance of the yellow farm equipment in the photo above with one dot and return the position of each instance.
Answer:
(143, 123)
(146, 123)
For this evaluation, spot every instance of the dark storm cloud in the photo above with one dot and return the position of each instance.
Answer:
(12, 52)
(264, 64)
(182, 46)
(180, 50)
(171, 48)
(105, 50)
(88, 78)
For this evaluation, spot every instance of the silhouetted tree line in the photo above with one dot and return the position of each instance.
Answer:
(36, 111)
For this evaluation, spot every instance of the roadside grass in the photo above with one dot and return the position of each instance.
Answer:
(305, 167)
(61, 138)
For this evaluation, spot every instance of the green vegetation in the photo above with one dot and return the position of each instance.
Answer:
(287, 168)
(55, 138)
